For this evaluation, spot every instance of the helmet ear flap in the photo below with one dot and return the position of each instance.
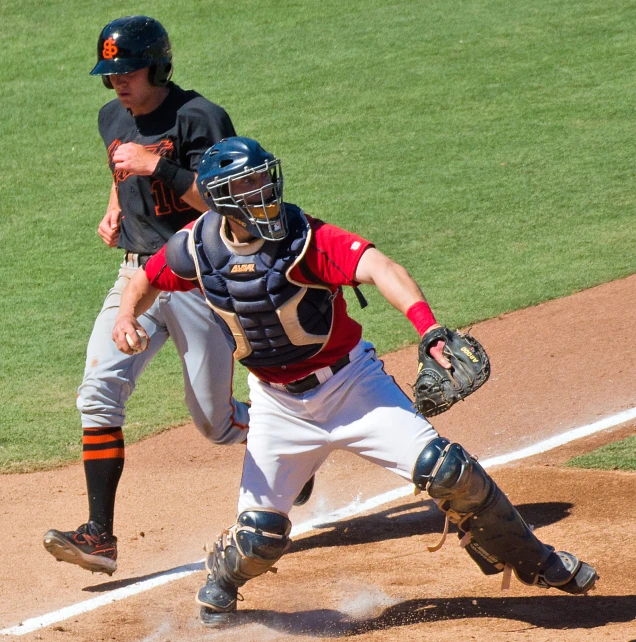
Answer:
(159, 74)
(107, 83)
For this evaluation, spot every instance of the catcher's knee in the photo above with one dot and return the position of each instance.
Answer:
(447, 472)
(222, 434)
(263, 535)
(427, 460)
(250, 548)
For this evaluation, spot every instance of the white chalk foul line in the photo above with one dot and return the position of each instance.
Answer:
(355, 508)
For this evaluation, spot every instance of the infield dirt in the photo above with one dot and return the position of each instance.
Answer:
(557, 366)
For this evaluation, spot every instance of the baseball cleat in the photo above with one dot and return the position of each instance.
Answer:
(305, 492)
(567, 573)
(216, 619)
(90, 546)
(218, 603)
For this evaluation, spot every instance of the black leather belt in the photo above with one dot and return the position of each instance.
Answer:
(311, 381)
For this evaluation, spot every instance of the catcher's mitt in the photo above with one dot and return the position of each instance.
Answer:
(436, 388)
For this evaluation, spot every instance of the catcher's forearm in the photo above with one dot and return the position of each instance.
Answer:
(138, 296)
(395, 284)
(400, 290)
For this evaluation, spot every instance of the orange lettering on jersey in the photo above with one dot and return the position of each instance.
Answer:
(110, 49)
(166, 200)
(243, 267)
(162, 148)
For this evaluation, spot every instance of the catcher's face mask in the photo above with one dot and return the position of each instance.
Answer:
(254, 195)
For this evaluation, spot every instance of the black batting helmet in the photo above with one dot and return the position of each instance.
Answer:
(132, 43)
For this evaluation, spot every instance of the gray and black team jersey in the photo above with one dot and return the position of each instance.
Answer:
(182, 128)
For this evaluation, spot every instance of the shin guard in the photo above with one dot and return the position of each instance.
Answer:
(491, 529)
(250, 548)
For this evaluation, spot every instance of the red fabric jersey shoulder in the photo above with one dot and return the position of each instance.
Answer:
(162, 277)
(333, 254)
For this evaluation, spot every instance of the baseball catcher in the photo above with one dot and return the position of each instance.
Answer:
(437, 388)
(275, 275)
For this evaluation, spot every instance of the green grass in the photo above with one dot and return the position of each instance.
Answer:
(620, 455)
(486, 145)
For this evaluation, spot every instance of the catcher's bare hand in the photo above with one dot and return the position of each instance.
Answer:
(436, 349)
(136, 159)
(129, 335)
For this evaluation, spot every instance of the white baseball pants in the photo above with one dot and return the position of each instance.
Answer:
(360, 409)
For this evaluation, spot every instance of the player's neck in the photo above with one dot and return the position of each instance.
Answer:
(237, 233)
(153, 101)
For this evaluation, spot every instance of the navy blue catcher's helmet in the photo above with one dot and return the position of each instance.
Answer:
(258, 209)
(132, 43)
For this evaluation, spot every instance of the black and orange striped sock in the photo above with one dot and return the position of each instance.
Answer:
(103, 456)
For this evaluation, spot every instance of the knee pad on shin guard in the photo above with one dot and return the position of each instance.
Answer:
(491, 529)
(250, 548)
(447, 472)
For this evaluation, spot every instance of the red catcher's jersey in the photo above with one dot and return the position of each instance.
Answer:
(332, 258)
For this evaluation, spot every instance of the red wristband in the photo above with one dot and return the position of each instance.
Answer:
(421, 316)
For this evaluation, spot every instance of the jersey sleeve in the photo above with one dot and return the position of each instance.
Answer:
(102, 119)
(333, 255)
(162, 277)
(207, 125)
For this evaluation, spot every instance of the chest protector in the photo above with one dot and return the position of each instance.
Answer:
(275, 321)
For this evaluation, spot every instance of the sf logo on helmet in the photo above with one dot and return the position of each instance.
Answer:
(110, 49)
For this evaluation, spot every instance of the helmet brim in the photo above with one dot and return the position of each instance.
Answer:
(119, 66)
